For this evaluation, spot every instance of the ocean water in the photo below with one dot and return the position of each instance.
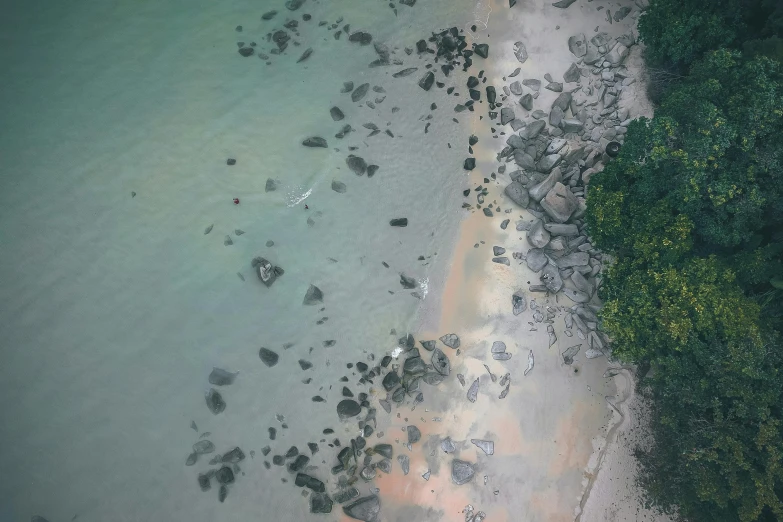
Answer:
(115, 308)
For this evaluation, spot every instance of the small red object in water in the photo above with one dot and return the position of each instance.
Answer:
(236, 201)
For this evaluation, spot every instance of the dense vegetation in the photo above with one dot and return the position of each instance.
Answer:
(692, 212)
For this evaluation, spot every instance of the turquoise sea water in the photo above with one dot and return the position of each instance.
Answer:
(116, 308)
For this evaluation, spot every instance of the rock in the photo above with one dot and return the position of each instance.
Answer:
(345, 495)
(563, 4)
(555, 86)
(537, 236)
(549, 162)
(498, 347)
(365, 508)
(405, 72)
(559, 203)
(577, 44)
(515, 141)
(532, 130)
(555, 146)
(405, 463)
(192, 458)
(356, 164)
(339, 187)
(469, 164)
(558, 229)
(501, 261)
(390, 381)
(360, 92)
(506, 115)
(593, 55)
(384, 450)
(315, 141)
(313, 296)
(271, 185)
(518, 302)
(348, 87)
(501, 356)
(215, 401)
(531, 361)
(505, 222)
(408, 283)
(563, 101)
(203, 447)
(576, 296)
(487, 446)
(225, 475)
(451, 340)
(427, 80)
(540, 190)
(440, 362)
(526, 101)
(428, 345)
(473, 391)
(498, 251)
(556, 116)
(414, 365)
(371, 170)
(268, 15)
(268, 357)
(461, 472)
(293, 5)
(399, 222)
(491, 95)
(581, 283)
(414, 434)
(536, 259)
(617, 54)
(336, 113)
(551, 278)
(305, 55)
(516, 88)
(481, 50)
(574, 259)
(220, 377)
(203, 483)
(532, 83)
(572, 74)
(569, 353)
(571, 125)
(520, 51)
(246, 51)
(360, 37)
(348, 408)
(320, 503)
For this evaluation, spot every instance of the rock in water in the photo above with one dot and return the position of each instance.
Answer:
(530, 362)
(414, 434)
(268, 357)
(469, 164)
(517, 193)
(572, 74)
(570, 353)
(336, 113)
(320, 503)
(271, 185)
(220, 377)
(348, 408)
(461, 472)
(487, 446)
(440, 362)
(577, 44)
(536, 259)
(313, 296)
(520, 51)
(315, 141)
(481, 50)
(537, 236)
(225, 475)
(559, 203)
(203, 447)
(473, 391)
(293, 5)
(192, 458)
(305, 55)
(451, 340)
(339, 187)
(365, 509)
(405, 463)
(399, 222)
(360, 92)
(408, 282)
(519, 302)
(427, 81)
(405, 72)
(347, 87)
(215, 401)
(563, 4)
(356, 164)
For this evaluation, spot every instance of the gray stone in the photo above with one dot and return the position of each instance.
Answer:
(537, 236)
(555, 146)
(581, 283)
(440, 362)
(360, 92)
(572, 260)
(501, 261)
(473, 391)
(556, 116)
(271, 185)
(563, 4)
(551, 278)
(498, 251)
(414, 434)
(569, 353)
(221, 377)
(398, 222)
(520, 51)
(577, 44)
(536, 259)
(405, 463)
(315, 141)
(540, 190)
(517, 193)
(516, 88)
(572, 125)
(356, 164)
(498, 347)
(427, 80)
(348, 408)
(539, 114)
(524, 160)
(428, 345)
(563, 101)
(313, 296)
(593, 55)
(448, 446)
(339, 187)
(461, 472)
(555, 86)
(506, 115)
(532, 130)
(320, 503)
(487, 446)
(526, 101)
(365, 508)
(549, 162)
(515, 142)
(532, 83)
(617, 54)
(215, 401)
(576, 296)
(559, 203)
(450, 340)
(408, 283)
(572, 74)
(519, 302)
(558, 229)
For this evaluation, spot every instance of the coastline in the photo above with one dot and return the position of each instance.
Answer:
(569, 463)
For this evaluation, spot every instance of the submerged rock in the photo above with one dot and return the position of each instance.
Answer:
(313, 296)
(399, 222)
(356, 164)
(473, 391)
(427, 81)
(320, 503)
(315, 141)
(519, 302)
(570, 352)
(365, 508)
(451, 340)
(408, 283)
(348, 408)
(203, 447)
(215, 401)
(220, 377)
(360, 92)
(268, 357)
(487, 446)
(339, 187)
(405, 463)
(336, 113)
(414, 434)
(461, 472)
(440, 362)
(520, 51)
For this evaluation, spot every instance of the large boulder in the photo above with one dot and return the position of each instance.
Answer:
(571, 125)
(515, 141)
(520, 51)
(365, 508)
(549, 162)
(563, 101)
(572, 74)
(517, 193)
(558, 229)
(524, 160)
(537, 236)
(551, 278)
(536, 259)
(559, 203)
(577, 44)
(461, 472)
(532, 130)
(539, 191)
(506, 115)
(574, 259)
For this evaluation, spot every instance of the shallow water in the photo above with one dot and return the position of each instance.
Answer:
(116, 308)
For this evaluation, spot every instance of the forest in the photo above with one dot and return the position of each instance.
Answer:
(691, 212)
